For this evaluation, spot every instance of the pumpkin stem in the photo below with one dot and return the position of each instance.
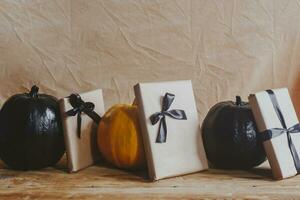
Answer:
(238, 100)
(34, 91)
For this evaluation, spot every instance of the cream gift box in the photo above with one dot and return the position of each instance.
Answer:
(170, 128)
(278, 125)
(80, 117)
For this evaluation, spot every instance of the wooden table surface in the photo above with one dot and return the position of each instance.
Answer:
(103, 182)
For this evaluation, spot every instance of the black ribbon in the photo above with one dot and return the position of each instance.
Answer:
(275, 132)
(80, 106)
(161, 117)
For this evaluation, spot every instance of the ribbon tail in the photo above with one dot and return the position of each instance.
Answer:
(294, 129)
(79, 124)
(294, 152)
(94, 116)
(162, 131)
(270, 134)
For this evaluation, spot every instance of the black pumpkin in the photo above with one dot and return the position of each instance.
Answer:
(230, 136)
(31, 135)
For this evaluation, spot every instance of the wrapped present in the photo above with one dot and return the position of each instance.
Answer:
(80, 118)
(170, 128)
(279, 130)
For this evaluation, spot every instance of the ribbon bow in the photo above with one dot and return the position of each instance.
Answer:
(275, 132)
(80, 106)
(161, 117)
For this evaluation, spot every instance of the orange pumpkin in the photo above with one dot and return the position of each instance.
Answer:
(119, 137)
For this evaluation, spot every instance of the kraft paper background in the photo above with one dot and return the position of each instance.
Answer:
(226, 47)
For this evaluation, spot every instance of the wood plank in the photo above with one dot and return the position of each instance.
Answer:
(103, 182)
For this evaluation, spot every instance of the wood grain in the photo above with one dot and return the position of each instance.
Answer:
(103, 182)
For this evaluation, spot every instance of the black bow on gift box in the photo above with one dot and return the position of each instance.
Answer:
(80, 106)
(274, 132)
(160, 116)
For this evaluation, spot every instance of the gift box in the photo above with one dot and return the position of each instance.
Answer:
(279, 130)
(80, 118)
(170, 128)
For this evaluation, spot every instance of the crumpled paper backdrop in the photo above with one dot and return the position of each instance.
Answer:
(225, 47)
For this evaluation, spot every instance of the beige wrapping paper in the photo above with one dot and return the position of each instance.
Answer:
(183, 151)
(81, 152)
(277, 149)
